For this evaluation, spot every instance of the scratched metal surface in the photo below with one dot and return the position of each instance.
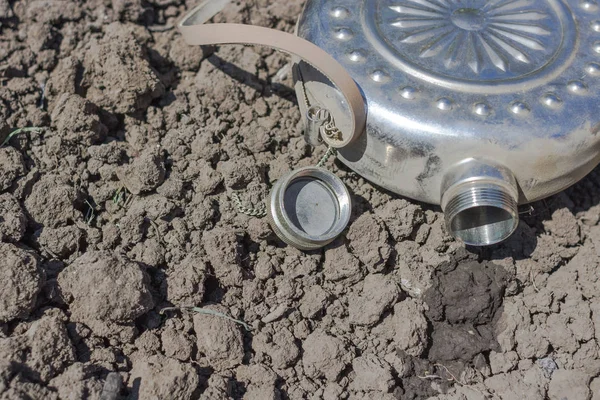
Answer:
(512, 81)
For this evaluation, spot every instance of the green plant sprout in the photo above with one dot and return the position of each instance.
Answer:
(17, 131)
(120, 195)
(90, 213)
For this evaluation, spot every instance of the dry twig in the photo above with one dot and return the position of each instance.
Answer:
(454, 379)
(208, 312)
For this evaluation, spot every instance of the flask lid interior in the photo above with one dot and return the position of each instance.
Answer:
(309, 208)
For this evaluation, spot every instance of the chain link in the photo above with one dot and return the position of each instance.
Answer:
(303, 88)
(330, 152)
(259, 212)
(328, 129)
(320, 114)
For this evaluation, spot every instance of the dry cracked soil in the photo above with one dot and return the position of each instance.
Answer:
(118, 208)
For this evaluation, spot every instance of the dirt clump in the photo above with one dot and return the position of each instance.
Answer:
(564, 227)
(17, 383)
(342, 266)
(12, 166)
(159, 377)
(63, 241)
(118, 76)
(81, 381)
(470, 292)
(107, 153)
(185, 281)
(411, 327)
(314, 301)
(133, 10)
(64, 80)
(378, 294)
(121, 288)
(219, 339)
(223, 247)
(22, 280)
(76, 119)
(324, 356)
(62, 10)
(369, 234)
(13, 221)
(53, 202)
(529, 384)
(463, 304)
(5, 10)
(51, 348)
(570, 384)
(401, 218)
(44, 348)
(238, 174)
(371, 374)
(176, 344)
(262, 392)
(145, 173)
(280, 346)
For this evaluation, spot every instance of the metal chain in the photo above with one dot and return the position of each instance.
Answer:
(303, 88)
(330, 152)
(259, 212)
(328, 129)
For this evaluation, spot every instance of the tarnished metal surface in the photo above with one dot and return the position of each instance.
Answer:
(512, 81)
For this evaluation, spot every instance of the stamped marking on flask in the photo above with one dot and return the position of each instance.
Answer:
(458, 51)
(492, 34)
(477, 46)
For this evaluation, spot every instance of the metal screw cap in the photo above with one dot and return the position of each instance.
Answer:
(309, 208)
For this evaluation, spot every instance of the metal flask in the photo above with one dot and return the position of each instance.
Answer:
(475, 105)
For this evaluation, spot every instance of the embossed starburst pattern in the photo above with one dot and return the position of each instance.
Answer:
(499, 35)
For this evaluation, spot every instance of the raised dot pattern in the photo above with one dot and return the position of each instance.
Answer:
(340, 12)
(344, 33)
(520, 108)
(589, 5)
(577, 87)
(593, 69)
(409, 93)
(445, 104)
(482, 109)
(380, 76)
(550, 100)
(357, 56)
